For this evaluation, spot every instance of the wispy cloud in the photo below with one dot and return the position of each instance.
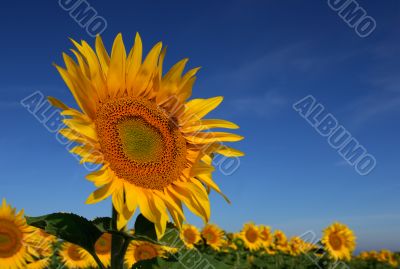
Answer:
(262, 83)
(262, 106)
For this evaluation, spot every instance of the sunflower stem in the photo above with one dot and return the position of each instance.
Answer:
(117, 244)
(98, 261)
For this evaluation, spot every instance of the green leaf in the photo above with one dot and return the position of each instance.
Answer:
(103, 223)
(69, 227)
(172, 237)
(144, 227)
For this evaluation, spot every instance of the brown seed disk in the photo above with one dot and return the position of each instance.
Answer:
(141, 143)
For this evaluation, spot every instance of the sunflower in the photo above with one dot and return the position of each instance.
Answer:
(103, 249)
(296, 246)
(339, 241)
(213, 236)
(387, 256)
(280, 241)
(142, 250)
(190, 235)
(75, 257)
(265, 235)
(40, 243)
(237, 240)
(251, 236)
(39, 264)
(154, 148)
(13, 233)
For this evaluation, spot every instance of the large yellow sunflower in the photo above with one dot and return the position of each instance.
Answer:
(73, 256)
(213, 236)
(154, 147)
(339, 241)
(103, 249)
(190, 235)
(251, 236)
(13, 233)
(141, 250)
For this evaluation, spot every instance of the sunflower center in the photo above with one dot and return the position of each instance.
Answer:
(210, 237)
(251, 235)
(10, 239)
(335, 241)
(74, 254)
(265, 236)
(145, 253)
(103, 244)
(141, 143)
(190, 236)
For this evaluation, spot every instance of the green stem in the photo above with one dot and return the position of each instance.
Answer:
(99, 263)
(117, 245)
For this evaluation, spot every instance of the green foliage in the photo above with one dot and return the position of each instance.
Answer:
(145, 228)
(69, 227)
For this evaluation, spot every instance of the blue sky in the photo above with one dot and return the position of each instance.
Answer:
(263, 56)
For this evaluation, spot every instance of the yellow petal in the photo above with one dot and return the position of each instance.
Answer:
(101, 193)
(100, 177)
(202, 168)
(209, 182)
(134, 62)
(88, 130)
(196, 109)
(102, 54)
(229, 152)
(116, 71)
(80, 97)
(174, 207)
(82, 64)
(146, 71)
(118, 200)
(212, 137)
(144, 205)
(57, 103)
(209, 124)
(124, 218)
(193, 197)
(131, 197)
(159, 206)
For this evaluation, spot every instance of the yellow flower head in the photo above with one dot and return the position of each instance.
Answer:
(280, 242)
(388, 257)
(13, 235)
(265, 235)
(141, 250)
(103, 249)
(154, 146)
(339, 241)
(251, 236)
(297, 246)
(74, 256)
(40, 243)
(190, 235)
(213, 236)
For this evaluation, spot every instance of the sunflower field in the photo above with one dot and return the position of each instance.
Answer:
(154, 150)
